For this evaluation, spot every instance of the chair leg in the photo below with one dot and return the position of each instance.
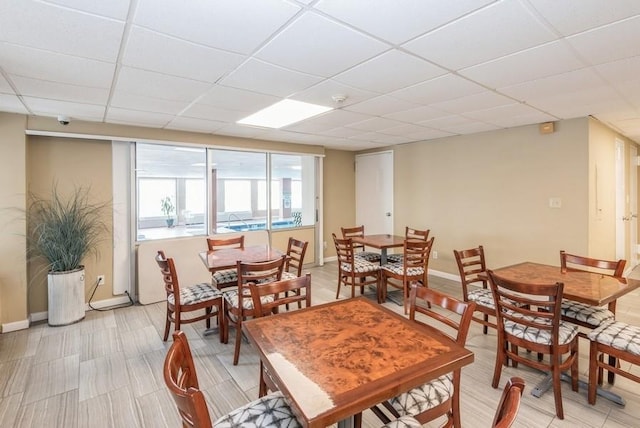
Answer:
(484, 326)
(236, 352)
(262, 390)
(167, 325)
(339, 283)
(500, 360)
(557, 391)
(222, 324)
(593, 372)
(207, 311)
(611, 376)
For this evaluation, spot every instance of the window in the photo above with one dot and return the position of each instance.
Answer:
(295, 204)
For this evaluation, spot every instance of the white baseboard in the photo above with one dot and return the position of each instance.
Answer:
(15, 326)
(331, 259)
(444, 275)
(39, 316)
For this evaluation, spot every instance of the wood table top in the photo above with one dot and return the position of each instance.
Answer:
(337, 359)
(591, 288)
(380, 241)
(227, 258)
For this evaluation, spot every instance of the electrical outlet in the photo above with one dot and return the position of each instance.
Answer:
(100, 279)
(435, 254)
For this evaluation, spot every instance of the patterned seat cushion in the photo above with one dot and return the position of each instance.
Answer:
(424, 397)
(592, 315)
(398, 269)
(482, 296)
(288, 275)
(566, 332)
(231, 297)
(196, 294)
(395, 258)
(360, 266)
(403, 422)
(271, 411)
(618, 335)
(225, 276)
(368, 256)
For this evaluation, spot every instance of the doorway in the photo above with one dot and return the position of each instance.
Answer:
(374, 192)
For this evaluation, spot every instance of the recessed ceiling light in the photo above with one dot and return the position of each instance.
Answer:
(284, 113)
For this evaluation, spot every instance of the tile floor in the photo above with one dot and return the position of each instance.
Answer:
(106, 371)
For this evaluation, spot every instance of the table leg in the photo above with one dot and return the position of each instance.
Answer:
(547, 383)
(383, 256)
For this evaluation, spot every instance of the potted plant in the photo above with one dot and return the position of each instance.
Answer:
(167, 208)
(63, 231)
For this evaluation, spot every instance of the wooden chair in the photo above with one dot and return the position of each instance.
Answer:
(197, 297)
(441, 396)
(182, 381)
(358, 231)
(226, 277)
(354, 271)
(528, 316)
(267, 300)
(239, 303)
(580, 313)
(618, 340)
(296, 251)
(471, 264)
(409, 233)
(414, 269)
(509, 403)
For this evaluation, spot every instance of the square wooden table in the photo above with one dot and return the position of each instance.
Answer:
(338, 359)
(381, 242)
(227, 258)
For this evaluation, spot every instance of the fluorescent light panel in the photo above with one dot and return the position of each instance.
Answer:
(283, 113)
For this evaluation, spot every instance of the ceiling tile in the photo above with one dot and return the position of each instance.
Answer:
(417, 114)
(443, 88)
(60, 30)
(60, 91)
(416, 16)
(44, 65)
(45, 107)
(177, 57)
(12, 104)
(5, 88)
(497, 30)
(497, 113)
(310, 44)
(205, 111)
(322, 93)
(237, 99)
(235, 130)
(237, 26)
(609, 43)
(380, 74)
(571, 17)
(155, 85)
(381, 106)
(461, 105)
(128, 101)
(374, 124)
(405, 129)
(258, 76)
(117, 9)
(554, 86)
(193, 124)
(329, 120)
(549, 59)
(134, 117)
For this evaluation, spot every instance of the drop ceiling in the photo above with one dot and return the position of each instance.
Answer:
(410, 70)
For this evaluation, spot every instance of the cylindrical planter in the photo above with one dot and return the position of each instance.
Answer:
(66, 297)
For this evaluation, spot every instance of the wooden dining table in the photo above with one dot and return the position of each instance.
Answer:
(335, 360)
(382, 242)
(591, 288)
(227, 258)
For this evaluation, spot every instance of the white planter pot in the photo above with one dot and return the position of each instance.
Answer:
(66, 297)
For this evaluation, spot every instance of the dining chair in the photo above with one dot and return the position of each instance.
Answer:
(528, 316)
(409, 233)
(440, 396)
(238, 303)
(267, 300)
(358, 232)
(225, 277)
(296, 250)
(475, 288)
(414, 268)
(180, 376)
(509, 403)
(618, 340)
(197, 297)
(584, 315)
(354, 271)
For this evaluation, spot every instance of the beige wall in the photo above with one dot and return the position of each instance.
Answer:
(71, 163)
(339, 195)
(493, 189)
(13, 271)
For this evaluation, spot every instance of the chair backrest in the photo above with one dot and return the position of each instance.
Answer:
(527, 304)
(420, 235)
(300, 288)
(169, 275)
(432, 298)
(268, 271)
(509, 403)
(416, 254)
(353, 232)
(182, 381)
(221, 243)
(471, 264)
(607, 267)
(296, 250)
(344, 249)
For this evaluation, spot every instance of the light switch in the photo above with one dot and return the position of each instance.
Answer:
(555, 202)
